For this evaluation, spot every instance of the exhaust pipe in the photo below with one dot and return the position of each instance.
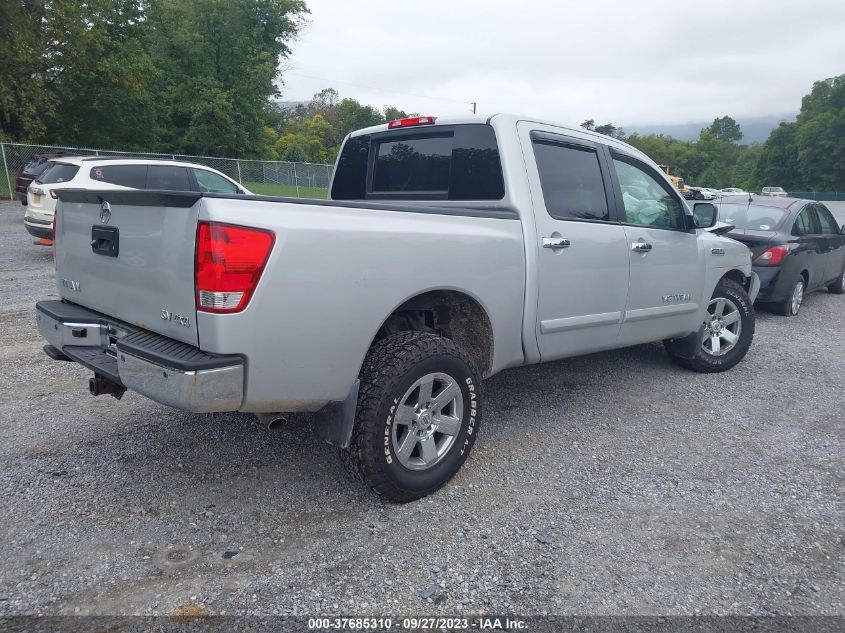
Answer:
(271, 421)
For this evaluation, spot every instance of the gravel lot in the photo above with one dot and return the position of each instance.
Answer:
(611, 484)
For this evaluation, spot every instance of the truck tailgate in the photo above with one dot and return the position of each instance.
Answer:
(130, 255)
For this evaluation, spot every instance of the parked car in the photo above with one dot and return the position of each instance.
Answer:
(733, 191)
(699, 193)
(796, 245)
(716, 193)
(97, 172)
(774, 192)
(449, 251)
(30, 172)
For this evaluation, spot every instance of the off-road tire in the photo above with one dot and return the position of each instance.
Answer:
(838, 286)
(704, 362)
(392, 365)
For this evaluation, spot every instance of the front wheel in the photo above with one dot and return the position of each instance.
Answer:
(419, 409)
(727, 331)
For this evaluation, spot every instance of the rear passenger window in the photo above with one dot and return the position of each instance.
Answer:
(803, 223)
(134, 176)
(168, 178)
(571, 180)
(828, 224)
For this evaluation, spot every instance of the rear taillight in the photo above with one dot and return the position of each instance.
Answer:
(411, 122)
(230, 260)
(772, 257)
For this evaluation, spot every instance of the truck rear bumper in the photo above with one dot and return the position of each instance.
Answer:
(160, 368)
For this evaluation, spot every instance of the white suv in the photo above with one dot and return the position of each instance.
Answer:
(97, 172)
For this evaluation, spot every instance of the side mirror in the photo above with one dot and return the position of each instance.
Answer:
(842, 229)
(704, 215)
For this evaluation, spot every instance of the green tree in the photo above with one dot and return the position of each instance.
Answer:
(26, 102)
(221, 51)
(820, 136)
(725, 129)
(101, 75)
(778, 162)
(391, 113)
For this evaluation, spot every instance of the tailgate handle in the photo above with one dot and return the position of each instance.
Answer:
(105, 240)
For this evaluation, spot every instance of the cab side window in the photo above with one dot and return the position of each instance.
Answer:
(571, 180)
(804, 223)
(826, 221)
(647, 200)
(211, 182)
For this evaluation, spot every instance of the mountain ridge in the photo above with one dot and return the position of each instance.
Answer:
(754, 129)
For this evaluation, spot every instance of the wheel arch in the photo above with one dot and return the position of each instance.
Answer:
(735, 274)
(449, 312)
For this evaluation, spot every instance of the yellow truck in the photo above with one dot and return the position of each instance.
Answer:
(676, 180)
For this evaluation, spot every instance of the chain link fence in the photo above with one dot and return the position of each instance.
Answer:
(822, 196)
(263, 177)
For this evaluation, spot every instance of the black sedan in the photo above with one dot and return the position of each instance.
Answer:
(796, 247)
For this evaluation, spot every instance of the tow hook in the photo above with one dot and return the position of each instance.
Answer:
(99, 385)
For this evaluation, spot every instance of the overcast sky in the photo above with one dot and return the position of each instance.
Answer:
(629, 62)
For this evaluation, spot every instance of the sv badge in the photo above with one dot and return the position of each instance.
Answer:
(167, 315)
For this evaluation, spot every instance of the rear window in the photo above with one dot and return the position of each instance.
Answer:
(445, 163)
(134, 176)
(35, 167)
(753, 217)
(168, 178)
(56, 173)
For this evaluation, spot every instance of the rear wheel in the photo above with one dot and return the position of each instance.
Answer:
(838, 286)
(727, 331)
(417, 416)
(792, 304)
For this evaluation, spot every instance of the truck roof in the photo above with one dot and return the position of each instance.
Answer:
(505, 119)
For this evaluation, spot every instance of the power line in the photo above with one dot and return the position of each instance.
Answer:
(397, 92)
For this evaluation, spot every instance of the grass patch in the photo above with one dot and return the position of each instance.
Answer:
(267, 189)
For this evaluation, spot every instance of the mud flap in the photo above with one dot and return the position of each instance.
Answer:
(686, 347)
(337, 418)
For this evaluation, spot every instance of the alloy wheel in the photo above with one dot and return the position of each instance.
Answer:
(797, 297)
(722, 327)
(427, 421)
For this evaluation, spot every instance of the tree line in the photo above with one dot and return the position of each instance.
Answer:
(807, 154)
(188, 77)
(193, 76)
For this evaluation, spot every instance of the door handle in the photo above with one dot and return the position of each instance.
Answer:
(555, 242)
(641, 247)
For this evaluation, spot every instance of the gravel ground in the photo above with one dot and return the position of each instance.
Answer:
(611, 484)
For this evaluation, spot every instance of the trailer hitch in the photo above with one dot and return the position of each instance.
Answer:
(99, 385)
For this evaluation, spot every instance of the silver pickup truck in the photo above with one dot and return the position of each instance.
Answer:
(449, 251)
